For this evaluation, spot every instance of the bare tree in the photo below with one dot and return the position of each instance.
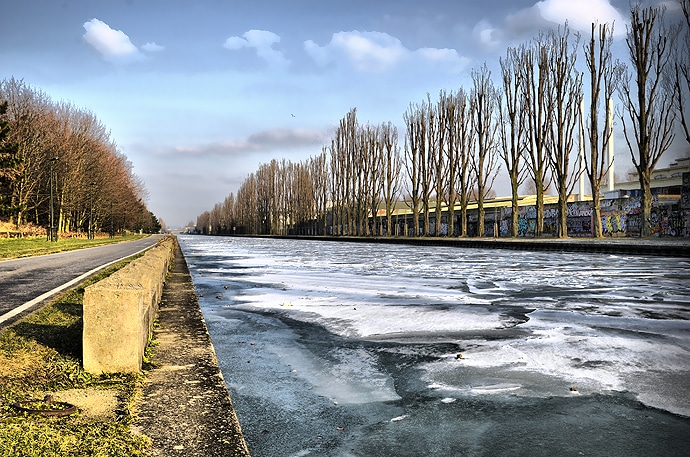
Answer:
(647, 100)
(373, 176)
(437, 159)
(681, 69)
(461, 139)
(426, 162)
(447, 118)
(336, 188)
(345, 174)
(485, 100)
(319, 175)
(566, 89)
(534, 65)
(10, 164)
(512, 129)
(604, 75)
(416, 160)
(32, 121)
(392, 164)
(91, 177)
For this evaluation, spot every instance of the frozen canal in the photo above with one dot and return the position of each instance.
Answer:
(355, 349)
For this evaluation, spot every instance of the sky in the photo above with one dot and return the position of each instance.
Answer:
(197, 94)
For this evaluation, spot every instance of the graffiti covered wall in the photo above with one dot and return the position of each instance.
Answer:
(620, 217)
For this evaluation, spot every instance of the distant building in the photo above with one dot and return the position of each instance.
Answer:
(666, 182)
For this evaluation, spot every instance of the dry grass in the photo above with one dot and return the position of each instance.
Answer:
(11, 248)
(41, 354)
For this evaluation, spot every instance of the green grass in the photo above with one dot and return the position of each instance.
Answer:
(11, 248)
(42, 353)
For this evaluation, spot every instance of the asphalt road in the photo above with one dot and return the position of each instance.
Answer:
(26, 282)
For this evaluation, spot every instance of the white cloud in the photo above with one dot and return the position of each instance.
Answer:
(369, 51)
(526, 23)
(113, 45)
(377, 52)
(486, 34)
(262, 41)
(152, 47)
(581, 14)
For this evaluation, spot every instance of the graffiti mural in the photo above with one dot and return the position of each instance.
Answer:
(614, 224)
(621, 217)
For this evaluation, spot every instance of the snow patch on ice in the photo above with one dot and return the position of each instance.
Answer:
(495, 388)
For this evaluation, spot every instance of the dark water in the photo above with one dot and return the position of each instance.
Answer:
(333, 349)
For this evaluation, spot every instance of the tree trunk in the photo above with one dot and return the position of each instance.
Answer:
(646, 228)
(597, 230)
(515, 209)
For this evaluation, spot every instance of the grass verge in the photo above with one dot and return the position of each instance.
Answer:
(11, 248)
(42, 354)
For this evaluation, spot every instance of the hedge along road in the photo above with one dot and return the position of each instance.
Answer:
(26, 282)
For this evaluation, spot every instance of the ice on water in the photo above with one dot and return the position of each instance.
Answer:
(597, 323)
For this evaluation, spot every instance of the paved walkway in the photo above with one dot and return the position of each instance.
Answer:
(185, 407)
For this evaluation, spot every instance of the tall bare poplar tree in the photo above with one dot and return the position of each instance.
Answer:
(319, 172)
(344, 174)
(426, 163)
(512, 129)
(604, 75)
(461, 137)
(566, 89)
(647, 100)
(416, 160)
(447, 112)
(534, 65)
(681, 70)
(392, 164)
(438, 159)
(484, 108)
(373, 152)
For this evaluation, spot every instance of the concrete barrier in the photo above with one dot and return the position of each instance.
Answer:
(119, 312)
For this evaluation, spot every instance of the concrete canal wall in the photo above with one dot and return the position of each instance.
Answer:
(675, 247)
(119, 312)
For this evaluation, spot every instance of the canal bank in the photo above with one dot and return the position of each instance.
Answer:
(185, 406)
(672, 247)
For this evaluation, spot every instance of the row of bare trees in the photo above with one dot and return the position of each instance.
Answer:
(343, 185)
(532, 122)
(64, 157)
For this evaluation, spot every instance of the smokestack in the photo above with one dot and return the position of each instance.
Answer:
(582, 150)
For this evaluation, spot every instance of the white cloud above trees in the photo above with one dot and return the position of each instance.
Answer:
(581, 14)
(526, 22)
(377, 52)
(262, 41)
(114, 45)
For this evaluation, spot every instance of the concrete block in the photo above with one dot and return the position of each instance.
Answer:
(119, 312)
(113, 334)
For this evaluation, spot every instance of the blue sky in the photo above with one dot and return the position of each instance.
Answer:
(198, 93)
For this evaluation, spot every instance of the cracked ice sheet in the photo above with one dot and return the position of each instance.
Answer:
(619, 324)
(568, 349)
